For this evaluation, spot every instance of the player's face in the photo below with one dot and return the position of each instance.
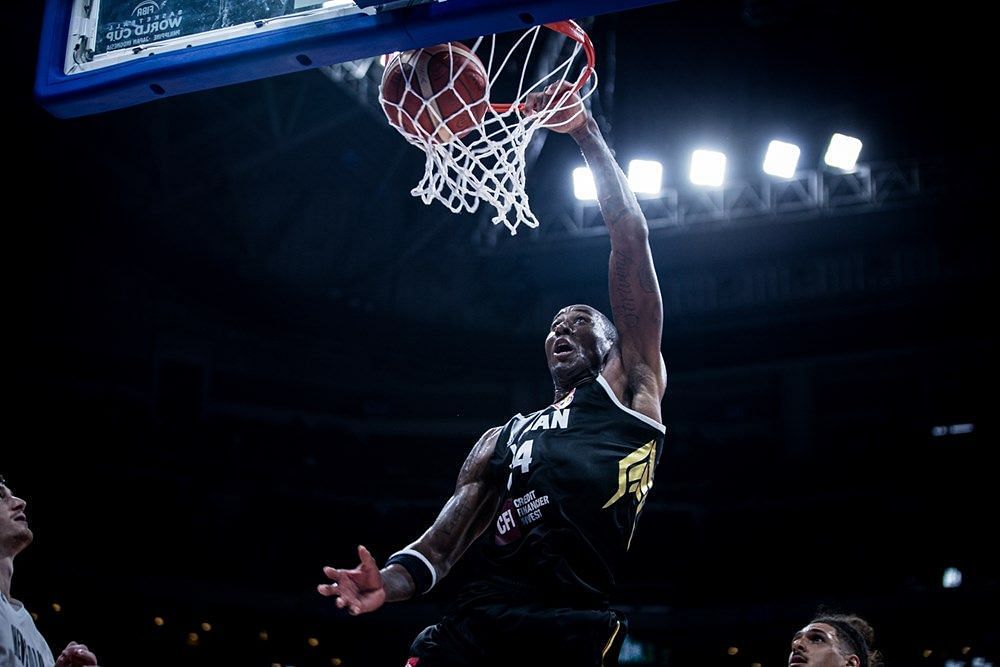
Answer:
(14, 531)
(816, 645)
(576, 343)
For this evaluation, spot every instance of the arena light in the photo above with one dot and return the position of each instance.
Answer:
(645, 176)
(843, 152)
(952, 578)
(583, 184)
(952, 429)
(708, 168)
(781, 159)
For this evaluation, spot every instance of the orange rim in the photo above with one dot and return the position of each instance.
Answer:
(572, 30)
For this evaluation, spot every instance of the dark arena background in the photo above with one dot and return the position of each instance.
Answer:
(240, 348)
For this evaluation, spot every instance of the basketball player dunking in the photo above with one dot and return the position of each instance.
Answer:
(560, 490)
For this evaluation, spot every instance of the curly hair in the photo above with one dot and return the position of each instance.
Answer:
(854, 635)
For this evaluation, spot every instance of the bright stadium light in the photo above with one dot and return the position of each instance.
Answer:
(781, 159)
(583, 184)
(952, 578)
(843, 152)
(952, 429)
(708, 168)
(645, 176)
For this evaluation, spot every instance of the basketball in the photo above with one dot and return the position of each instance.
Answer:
(438, 93)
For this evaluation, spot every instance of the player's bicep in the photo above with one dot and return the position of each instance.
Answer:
(476, 466)
(467, 512)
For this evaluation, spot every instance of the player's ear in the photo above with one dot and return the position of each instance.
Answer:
(608, 349)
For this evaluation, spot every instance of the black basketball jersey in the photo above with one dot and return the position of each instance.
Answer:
(574, 477)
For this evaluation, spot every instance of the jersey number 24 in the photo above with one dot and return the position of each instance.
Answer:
(522, 459)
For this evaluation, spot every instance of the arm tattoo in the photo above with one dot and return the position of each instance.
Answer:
(647, 280)
(625, 308)
(614, 209)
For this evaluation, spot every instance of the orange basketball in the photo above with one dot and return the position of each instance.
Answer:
(437, 93)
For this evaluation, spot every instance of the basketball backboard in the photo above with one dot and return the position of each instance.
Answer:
(99, 55)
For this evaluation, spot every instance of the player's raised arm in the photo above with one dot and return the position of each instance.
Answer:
(636, 303)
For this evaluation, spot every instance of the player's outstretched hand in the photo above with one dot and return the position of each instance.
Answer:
(360, 590)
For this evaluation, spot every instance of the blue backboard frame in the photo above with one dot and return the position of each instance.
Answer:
(276, 52)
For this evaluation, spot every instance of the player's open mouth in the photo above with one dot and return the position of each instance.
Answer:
(561, 347)
(21, 517)
(797, 660)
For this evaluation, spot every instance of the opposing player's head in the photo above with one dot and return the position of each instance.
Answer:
(14, 532)
(834, 640)
(578, 345)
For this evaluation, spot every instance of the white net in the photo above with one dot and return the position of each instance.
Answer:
(471, 161)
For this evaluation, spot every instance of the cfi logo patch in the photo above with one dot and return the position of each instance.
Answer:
(412, 662)
(508, 527)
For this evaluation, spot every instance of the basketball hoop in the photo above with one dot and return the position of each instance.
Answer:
(475, 151)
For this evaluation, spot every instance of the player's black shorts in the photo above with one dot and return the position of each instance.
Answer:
(522, 635)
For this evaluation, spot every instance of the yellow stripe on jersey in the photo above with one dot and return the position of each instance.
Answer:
(607, 647)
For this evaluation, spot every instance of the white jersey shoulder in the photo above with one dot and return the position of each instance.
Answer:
(21, 644)
(638, 415)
